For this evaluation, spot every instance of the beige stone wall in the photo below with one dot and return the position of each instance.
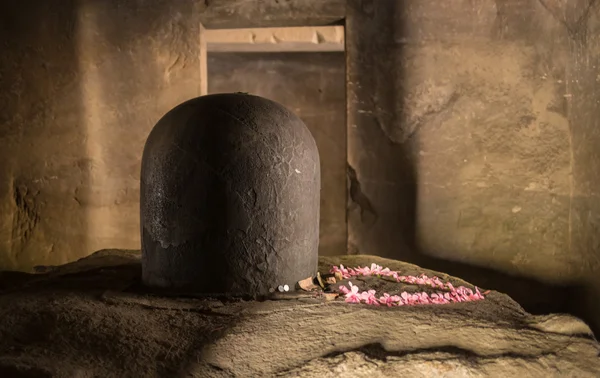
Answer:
(584, 114)
(494, 157)
(82, 85)
(473, 144)
(460, 143)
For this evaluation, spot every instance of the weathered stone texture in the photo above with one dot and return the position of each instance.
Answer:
(96, 328)
(230, 14)
(460, 140)
(229, 202)
(81, 85)
(582, 19)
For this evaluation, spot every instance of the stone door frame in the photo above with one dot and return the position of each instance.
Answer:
(285, 39)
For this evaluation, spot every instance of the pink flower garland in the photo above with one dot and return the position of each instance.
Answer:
(452, 295)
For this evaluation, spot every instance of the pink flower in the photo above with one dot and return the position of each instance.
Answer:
(344, 289)
(386, 299)
(452, 295)
(345, 273)
(424, 298)
(366, 271)
(407, 298)
(352, 296)
(369, 297)
(438, 298)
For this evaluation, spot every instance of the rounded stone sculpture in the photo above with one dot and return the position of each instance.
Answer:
(230, 188)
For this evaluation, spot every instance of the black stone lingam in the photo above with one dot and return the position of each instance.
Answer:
(229, 198)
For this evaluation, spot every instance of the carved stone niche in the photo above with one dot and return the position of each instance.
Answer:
(230, 188)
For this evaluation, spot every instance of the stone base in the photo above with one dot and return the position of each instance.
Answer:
(84, 319)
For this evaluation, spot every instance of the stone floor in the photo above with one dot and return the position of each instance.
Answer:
(87, 319)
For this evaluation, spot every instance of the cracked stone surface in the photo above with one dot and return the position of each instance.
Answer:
(229, 202)
(86, 319)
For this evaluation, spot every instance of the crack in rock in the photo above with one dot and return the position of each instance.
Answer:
(368, 215)
(25, 218)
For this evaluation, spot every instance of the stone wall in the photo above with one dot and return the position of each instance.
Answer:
(81, 85)
(459, 142)
(582, 22)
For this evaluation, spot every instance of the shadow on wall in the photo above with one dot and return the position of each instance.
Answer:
(516, 139)
(583, 23)
(83, 82)
(140, 60)
(42, 159)
(431, 159)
